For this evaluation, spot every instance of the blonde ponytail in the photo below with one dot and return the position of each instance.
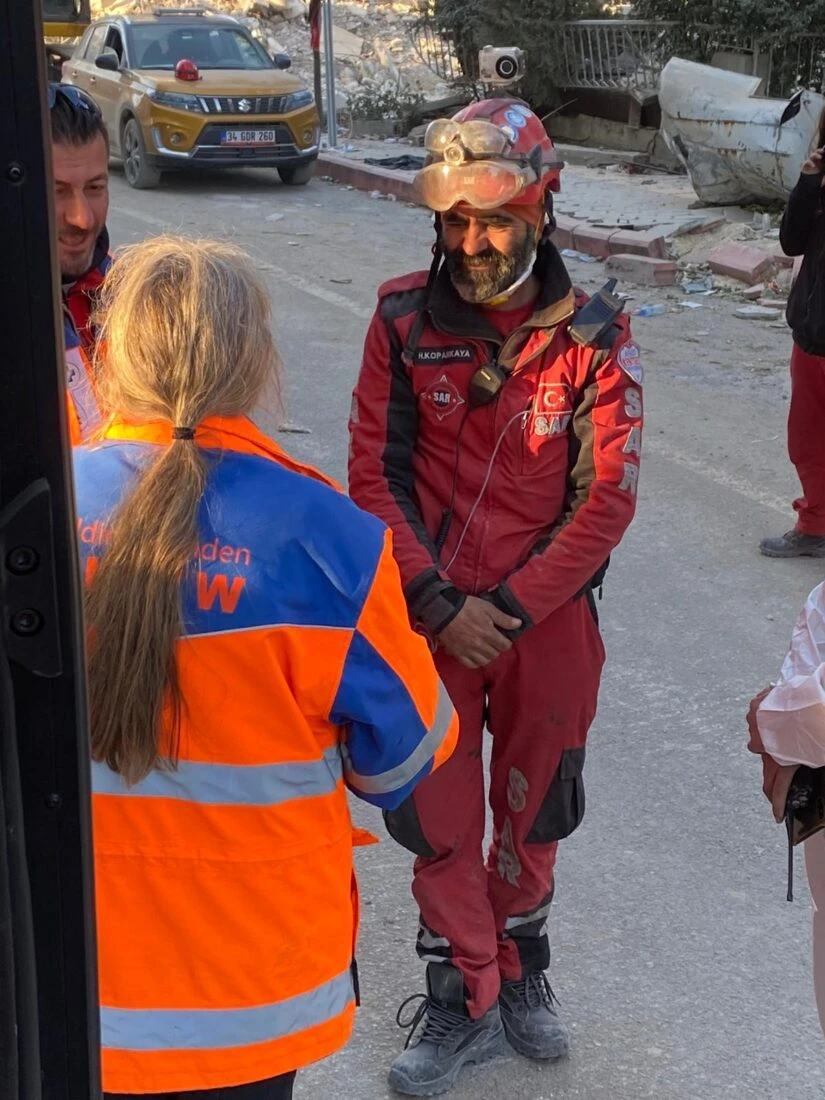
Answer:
(185, 333)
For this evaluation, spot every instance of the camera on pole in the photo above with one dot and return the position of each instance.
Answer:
(501, 65)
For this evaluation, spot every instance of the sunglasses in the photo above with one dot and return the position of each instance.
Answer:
(74, 97)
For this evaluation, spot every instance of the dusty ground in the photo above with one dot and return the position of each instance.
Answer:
(683, 972)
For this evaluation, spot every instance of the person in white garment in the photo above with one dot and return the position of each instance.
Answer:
(787, 728)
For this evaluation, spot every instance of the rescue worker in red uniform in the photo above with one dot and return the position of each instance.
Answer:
(80, 164)
(496, 428)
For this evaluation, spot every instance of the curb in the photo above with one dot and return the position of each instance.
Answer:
(602, 242)
(366, 177)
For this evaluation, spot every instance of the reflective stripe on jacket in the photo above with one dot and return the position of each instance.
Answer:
(226, 906)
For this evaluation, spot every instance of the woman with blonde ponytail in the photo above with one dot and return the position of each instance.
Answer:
(249, 657)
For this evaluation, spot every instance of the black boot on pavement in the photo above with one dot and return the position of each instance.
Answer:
(531, 1023)
(793, 544)
(449, 1039)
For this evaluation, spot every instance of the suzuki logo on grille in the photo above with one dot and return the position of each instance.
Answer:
(244, 105)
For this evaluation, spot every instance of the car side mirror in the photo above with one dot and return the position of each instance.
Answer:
(108, 61)
(282, 60)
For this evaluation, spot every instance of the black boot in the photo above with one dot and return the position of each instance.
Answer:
(449, 1039)
(793, 544)
(531, 1022)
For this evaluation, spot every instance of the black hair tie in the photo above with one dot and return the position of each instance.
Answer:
(183, 433)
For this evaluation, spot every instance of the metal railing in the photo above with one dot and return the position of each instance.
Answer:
(616, 54)
(797, 64)
(436, 51)
(628, 55)
(453, 57)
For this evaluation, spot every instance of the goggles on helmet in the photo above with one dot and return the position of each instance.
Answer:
(455, 140)
(475, 162)
(483, 184)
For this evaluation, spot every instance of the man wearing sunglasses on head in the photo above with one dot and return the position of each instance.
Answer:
(496, 428)
(80, 164)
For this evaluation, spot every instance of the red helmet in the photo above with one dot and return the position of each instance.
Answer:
(492, 153)
(529, 142)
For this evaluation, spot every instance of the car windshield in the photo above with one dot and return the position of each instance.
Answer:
(156, 46)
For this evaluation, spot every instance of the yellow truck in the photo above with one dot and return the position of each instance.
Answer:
(64, 21)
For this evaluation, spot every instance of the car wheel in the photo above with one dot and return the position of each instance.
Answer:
(297, 175)
(136, 168)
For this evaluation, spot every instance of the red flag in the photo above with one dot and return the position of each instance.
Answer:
(314, 20)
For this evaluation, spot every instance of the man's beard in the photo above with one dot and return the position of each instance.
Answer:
(483, 283)
(77, 264)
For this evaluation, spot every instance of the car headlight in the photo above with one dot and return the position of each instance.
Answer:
(179, 100)
(298, 99)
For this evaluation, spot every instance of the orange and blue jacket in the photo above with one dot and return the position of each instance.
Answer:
(225, 893)
(84, 414)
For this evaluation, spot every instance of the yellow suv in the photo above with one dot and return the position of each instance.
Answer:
(188, 89)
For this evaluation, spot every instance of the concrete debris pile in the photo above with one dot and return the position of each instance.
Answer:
(378, 59)
(736, 256)
(375, 52)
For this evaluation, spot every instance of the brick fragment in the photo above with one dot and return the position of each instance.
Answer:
(642, 270)
(740, 261)
(592, 240)
(645, 242)
(700, 224)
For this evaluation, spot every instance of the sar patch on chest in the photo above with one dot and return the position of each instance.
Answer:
(443, 397)
(436, 357)
(552, 409)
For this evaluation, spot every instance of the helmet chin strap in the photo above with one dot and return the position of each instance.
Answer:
(503, 295)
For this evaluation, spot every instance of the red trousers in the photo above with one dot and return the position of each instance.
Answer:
(806, 438)
(489, 918)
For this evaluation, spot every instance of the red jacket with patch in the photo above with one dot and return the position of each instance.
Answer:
(521, 500)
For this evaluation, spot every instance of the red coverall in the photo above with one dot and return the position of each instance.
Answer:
(521, 500)
(806, 439)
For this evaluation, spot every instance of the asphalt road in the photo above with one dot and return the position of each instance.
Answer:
(682, 971)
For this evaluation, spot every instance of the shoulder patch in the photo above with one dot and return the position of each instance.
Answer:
(630, 360)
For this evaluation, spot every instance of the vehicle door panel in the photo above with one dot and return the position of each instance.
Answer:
(80, 68)
(107, 87)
